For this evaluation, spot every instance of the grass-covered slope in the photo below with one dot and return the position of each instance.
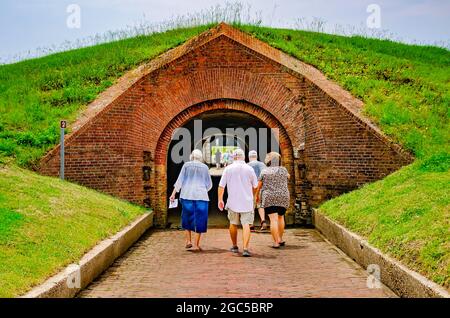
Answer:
(406, 215)
(406, 90)
(36, 94)
(46, 224)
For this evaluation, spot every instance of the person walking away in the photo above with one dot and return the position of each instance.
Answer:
(273, 183)
(218, 158)
(230, 158)
(194, 181)
(225, 158)
(258, 166)
(241, 182)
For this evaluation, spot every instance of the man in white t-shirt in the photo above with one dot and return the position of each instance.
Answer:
(241, 182)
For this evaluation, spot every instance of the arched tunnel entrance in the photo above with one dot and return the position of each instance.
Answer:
(222, 131)
(120, 144)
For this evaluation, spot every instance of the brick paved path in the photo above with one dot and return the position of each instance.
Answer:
(158, 266)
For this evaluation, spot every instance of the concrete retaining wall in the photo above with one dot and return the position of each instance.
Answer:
(403, 281)
(66, 283)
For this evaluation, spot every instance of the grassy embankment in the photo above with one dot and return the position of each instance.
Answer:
(45, 223)
(405, 89)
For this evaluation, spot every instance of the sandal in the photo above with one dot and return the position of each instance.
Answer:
(282, 243)
(275, 246)
(188, 245)
(263, 226)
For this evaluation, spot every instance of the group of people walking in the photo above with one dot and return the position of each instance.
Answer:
(225, 158)
(250, 186)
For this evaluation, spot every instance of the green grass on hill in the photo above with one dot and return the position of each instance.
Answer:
(46, 224)
(406, 215)
(36, 94)
(406, 90)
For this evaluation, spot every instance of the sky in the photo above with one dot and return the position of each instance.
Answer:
(27, 25)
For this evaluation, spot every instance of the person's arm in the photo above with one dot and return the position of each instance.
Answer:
(208, 180)
(221, 190)
(288, 175)
(260, 184)
(254, 180)
(178, 184)
(172, 196)
(256, 191)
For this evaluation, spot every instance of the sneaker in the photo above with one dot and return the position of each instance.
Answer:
(234, 249)
(246, 253)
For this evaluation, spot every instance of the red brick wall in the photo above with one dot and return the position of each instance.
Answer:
(340, 150)
(226, 104)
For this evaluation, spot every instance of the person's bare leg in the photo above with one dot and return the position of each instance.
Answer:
(246, 235)
(262, 215)
(233, 234)
(281, 226)
(188, 237)
(197, 240)
(274, 228)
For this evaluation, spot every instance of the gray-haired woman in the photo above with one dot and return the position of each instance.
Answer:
(194, 182)
(273, 183)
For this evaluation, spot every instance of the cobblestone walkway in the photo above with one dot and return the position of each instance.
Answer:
(309, 266)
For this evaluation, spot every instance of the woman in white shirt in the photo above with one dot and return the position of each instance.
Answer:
(194, 182)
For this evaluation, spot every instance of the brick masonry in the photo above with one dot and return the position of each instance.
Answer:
(119, 145)
(158, 266)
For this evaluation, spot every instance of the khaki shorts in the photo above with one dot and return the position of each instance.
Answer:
(243, 218)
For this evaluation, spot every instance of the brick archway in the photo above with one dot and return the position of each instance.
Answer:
(159, 197)
(119, 144)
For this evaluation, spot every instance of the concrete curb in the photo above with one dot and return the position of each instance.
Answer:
(93, 263)
(401, 280)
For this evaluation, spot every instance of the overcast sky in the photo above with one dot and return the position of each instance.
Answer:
(29, 24)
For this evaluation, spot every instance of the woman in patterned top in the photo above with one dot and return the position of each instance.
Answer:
(273, 183)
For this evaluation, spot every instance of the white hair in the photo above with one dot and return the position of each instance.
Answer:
(196, 155)
(273, 159)
(239, 154)
(252, 154)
